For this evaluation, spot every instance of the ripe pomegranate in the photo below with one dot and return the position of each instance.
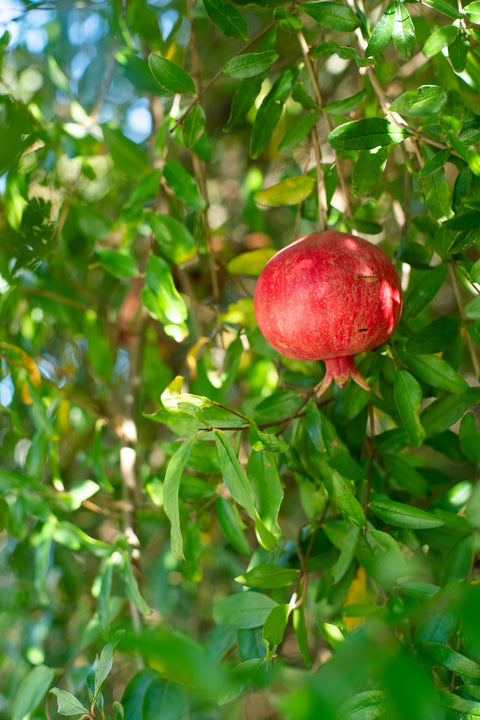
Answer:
(327, 297)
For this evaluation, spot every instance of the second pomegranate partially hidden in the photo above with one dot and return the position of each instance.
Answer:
(328, 296)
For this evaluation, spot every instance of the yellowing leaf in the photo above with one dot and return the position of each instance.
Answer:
(356, 595)
(252, 262)
(288, 192)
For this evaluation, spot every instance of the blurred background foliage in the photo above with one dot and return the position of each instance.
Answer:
(186, 530)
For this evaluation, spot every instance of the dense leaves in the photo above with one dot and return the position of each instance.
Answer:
(186, 529)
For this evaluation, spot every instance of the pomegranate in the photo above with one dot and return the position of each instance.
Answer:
(328, 296)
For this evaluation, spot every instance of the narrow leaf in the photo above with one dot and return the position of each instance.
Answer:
(250, 64)
(436, 371)
(424, 290)
(400, 515)
(346, 500)
(125, 153)
(268, 576)
(193, 125)
(298, 132)
(232, 525)
(170, 494)
(233, 474)
(347, 553)
(450, 659)
(408, 394)
(382, 31)
(170, 76)
(403, 30)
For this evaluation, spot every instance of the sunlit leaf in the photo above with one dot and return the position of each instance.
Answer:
(401, 515)
(171, 487)
(382, 32)
(287, 192)
(366, 134)
(426, 100)
(247, 609)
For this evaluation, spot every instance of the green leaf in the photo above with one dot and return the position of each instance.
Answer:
(400, 515)
(233, 474)
(232, 525)
(68, 704)
(183, 185)
(472, 11)
(458, 52)
(342, 107)
(247, 609)
(265, 479)
(366, 705)
(31, 690)
(300, 95)
(125, 153)
(136, 70)
(287, 192)
(333, 15)
(472, 309)
(346, 500)
(436, 371)
(444, 6)
(403, 30)
(424, 290)
(469, 437)
(439, 39)
(437, 195)
(193, 126)
(170, 494)
(298, 132)
(160, 295)
(347, 553)
(443, 412)
(269, 112)
(405, 475)
(170, 76)
(146, 692)
(243, 99)
(288, 21)
(250, 64)
(131, 586)
(380, 555)
(251, 262)
(330, 47)
(175, 241)
(275, 625)
(475, 272)
(260, 440)
(368, 170)
(227, 18)
(366, 134)
(408, 395)
(117, 262)
(434, 337)
(435, 163)
(382, 31)
(446, 657)
(104, 663)
(300, 627)
(426, 100)
(268, 576)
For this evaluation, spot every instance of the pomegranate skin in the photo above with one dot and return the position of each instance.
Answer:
(328, 295)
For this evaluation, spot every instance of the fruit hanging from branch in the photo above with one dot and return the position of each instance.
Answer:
(328, 296)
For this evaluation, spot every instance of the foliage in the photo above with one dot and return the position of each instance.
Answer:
(186, 529)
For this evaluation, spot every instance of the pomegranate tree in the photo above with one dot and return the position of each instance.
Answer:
(328, 296)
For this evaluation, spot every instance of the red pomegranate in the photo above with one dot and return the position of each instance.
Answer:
(327, 297)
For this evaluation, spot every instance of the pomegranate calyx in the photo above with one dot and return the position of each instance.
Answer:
(340, 370)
